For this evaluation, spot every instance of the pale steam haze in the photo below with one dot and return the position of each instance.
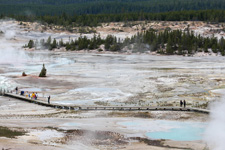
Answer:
(10, 54)
(11, 46)
(215, 132)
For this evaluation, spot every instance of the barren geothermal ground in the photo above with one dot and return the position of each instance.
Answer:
(103, 79)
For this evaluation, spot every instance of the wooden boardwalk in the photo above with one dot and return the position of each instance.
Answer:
(111, 108)
(43, 103)
(135, 108)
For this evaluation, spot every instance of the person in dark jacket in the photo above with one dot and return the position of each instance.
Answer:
(49, 99)
(16, 90)
(184, 103)
(181, 103)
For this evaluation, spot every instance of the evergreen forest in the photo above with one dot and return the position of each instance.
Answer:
(91, 20)
(166, 42)
(93, 12)
(79, 13)
(80, 7)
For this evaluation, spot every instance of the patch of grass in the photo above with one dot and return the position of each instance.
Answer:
(6, 132)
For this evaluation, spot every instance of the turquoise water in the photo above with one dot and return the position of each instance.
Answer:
(185, 131)
(172, 130)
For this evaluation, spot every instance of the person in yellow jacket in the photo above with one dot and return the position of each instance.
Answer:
(33, 96)
(26, 94)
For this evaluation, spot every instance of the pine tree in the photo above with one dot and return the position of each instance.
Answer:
(53, 45)
(48, 43)
(214, 48)
(61, 44)
(206, 48)
(109, 41)
(180, 49)
(43, 71)
(31, 44)
(169, 49)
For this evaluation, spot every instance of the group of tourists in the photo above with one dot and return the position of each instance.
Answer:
(182, 103)
(32, 96)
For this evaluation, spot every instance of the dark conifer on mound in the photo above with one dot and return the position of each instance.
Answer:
(24, 74)
(43, 71)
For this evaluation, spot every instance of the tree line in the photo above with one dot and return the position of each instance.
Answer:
(95, 20)
(80, 7)
(166, 42)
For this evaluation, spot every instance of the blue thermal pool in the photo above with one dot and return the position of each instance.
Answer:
(172, 130)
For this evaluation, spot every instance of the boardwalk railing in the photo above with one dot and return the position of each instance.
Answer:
(43, 103)
(119, 108)
(126, 108)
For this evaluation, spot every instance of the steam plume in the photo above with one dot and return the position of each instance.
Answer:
(215, 132)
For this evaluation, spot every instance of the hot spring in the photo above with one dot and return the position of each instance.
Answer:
(169, 130)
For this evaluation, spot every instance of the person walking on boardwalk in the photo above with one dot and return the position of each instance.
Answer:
(181, 103)
(16, 90)
(26, 94)
(184, 103)
(49, 99)
(36, 96)
(33, 96)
